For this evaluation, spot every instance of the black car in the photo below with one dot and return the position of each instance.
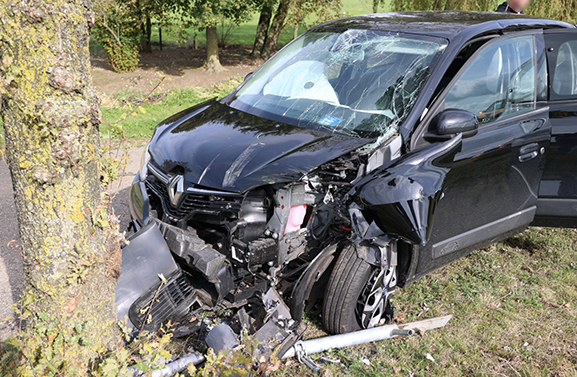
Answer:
(366, 154)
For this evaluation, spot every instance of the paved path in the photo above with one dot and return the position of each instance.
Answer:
(11, 273)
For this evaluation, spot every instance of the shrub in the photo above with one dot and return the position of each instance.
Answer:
(117, 28)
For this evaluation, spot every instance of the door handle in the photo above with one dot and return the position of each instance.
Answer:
(528, 156)
(526, 149)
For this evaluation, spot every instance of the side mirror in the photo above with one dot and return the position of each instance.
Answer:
(248, 76)
(450, 122)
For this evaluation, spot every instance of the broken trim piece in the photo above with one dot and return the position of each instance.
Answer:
(365, 336)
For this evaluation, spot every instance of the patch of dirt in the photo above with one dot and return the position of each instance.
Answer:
(182, 67)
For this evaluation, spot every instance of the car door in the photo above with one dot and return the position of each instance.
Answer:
(491, 189)
(557, 204)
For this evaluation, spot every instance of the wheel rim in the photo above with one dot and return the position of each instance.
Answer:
(371, 303)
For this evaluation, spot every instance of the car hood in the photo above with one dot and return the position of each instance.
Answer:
(216, 146)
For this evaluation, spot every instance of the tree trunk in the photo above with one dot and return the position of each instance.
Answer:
(51, 117)
(270, 45)
(375, 6)
(262, 29)
(147, 35)
(212, 61)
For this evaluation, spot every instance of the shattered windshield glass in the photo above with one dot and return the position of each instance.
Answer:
(355, 82)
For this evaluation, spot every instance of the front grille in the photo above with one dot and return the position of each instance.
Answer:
(195, 201)
(162, 302)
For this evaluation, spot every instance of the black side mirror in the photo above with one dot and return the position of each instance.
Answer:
(450, 122)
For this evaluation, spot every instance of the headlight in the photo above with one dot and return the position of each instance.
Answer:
(144, 162)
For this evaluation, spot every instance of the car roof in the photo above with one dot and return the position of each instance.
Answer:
(446, 24)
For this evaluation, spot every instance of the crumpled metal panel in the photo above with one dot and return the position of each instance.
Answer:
(402, 196)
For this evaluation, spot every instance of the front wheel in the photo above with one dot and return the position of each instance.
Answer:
(357, 294)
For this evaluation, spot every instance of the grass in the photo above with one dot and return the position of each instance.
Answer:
(125, 115)
(515, 314)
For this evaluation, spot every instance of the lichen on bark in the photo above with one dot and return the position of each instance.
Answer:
(51, 117)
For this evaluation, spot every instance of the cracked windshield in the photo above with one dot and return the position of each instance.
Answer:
(357, 82)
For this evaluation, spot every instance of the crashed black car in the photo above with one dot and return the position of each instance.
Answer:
(364, 155)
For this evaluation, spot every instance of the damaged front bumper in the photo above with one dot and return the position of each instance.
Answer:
(153, 289)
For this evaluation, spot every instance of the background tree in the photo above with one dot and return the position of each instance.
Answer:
(51, 121)
(266, 9)
(376, 4)
(316, 11)
(270, 43)
(288, 12)
(564, 10)
(119, 30)
(206, 14)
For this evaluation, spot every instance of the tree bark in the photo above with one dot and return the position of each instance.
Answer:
(147, 35)
(270, 45)
(212, 60)
(262, 29)
(375, 6)
(51, 119)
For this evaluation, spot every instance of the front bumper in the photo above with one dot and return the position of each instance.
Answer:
(139, 203)
(152, 288)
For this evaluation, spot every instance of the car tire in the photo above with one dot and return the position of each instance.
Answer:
(348, 279)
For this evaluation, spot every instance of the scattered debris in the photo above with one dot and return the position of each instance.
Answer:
(222, 337)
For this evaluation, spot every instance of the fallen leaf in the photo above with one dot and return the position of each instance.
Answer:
(400, 317)
(71, 305)
(527, 268)
(397, 369)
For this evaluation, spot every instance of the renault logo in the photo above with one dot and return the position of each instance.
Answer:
(175, 189)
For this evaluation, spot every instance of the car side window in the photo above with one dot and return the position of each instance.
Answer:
(565, 80)
(499, 83)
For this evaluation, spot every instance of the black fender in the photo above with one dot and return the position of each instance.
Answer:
(313, 273)
(402, 195)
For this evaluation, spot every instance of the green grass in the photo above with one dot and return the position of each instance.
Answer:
(515, 314)
(137, 119)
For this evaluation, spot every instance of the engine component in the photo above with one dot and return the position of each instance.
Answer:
(296, 218)
(262, 250)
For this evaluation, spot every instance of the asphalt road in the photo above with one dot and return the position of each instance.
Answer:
(11, 271)
(11, 274)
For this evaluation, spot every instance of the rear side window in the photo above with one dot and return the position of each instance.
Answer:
(499, 83)
(565, 80)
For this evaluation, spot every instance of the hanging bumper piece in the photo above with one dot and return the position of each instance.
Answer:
(302, 349)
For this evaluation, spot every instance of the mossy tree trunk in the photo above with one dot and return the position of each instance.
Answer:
(51, 117)
(270, 45)
(212, 60)
(262, 29)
